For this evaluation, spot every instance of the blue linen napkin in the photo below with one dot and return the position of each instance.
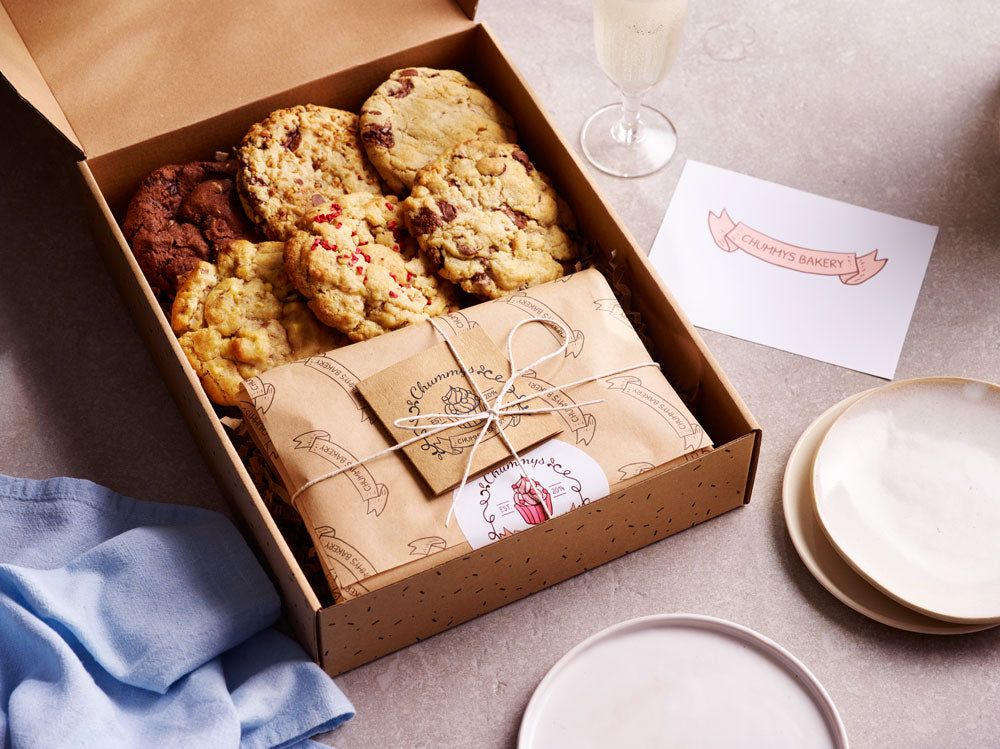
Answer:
(134, 624)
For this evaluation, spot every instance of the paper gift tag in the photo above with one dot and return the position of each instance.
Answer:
(433, 383)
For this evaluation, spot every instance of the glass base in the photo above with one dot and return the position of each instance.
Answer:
(606, 146)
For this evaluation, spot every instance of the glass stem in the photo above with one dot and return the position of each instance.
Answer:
(627, 130)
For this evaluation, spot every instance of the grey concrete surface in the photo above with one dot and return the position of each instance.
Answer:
(893, 106)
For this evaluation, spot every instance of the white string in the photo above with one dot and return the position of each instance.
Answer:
(490, 413)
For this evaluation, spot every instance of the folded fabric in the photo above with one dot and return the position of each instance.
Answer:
(132, 624)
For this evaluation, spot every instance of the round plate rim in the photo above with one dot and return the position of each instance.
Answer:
(764, 645)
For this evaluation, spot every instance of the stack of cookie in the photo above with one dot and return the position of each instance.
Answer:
(420, 204)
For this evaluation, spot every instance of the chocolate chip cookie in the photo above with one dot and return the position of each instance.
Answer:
(489, 220)
(182, 214)
(297, 159)
(361, 271)
(241, 316)
(419, 113)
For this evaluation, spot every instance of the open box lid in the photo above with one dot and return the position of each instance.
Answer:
(109, 77)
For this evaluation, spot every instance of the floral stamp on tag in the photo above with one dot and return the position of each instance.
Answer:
(431, 390)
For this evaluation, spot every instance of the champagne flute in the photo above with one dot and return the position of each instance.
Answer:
(636, 42)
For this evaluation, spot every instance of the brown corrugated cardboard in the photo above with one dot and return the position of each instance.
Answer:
(125, 72)
(192, 116)
(20, 70)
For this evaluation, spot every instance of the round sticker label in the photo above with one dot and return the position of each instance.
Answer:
(503, 501)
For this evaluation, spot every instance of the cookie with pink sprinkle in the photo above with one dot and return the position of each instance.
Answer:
(361, 271)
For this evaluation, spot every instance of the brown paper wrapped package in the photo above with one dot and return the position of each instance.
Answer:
(378, 522)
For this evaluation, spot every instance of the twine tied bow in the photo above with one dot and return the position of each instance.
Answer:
(489, 413)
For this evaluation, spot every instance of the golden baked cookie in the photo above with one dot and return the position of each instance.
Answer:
(242, 316)
(296, 159)
(361, 271)
(419, 113)
(490, 221)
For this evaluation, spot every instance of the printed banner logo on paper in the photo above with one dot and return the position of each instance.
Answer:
(579, 422)
(373, 494)
(688, 430)
(422, 547)
(457, 322)
(851, 269)
(614, 308)
(260, 392)
(345, 378)
(348, 565)
(535, 308)
(634, 469)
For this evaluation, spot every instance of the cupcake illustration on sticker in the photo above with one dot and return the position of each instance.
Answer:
(528, 498)
(503, 501)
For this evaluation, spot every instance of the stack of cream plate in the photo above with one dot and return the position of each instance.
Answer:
(892, 499)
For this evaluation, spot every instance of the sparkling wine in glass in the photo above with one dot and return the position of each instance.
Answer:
(636, 41)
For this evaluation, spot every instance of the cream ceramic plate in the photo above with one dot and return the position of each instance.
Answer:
(823, 561)
(906, 484)
(680, 680)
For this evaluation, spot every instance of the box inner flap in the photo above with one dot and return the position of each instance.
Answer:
(125, 73)
(19, 68)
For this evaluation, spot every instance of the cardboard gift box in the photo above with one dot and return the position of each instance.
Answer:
(141, 84)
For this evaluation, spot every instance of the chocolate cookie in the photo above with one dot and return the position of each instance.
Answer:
(489, 220)
(362, 273)
(420, 112)
(181, 214)
(241, 316)
(297, 159)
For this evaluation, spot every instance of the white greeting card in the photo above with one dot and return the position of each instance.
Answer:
(792, 270)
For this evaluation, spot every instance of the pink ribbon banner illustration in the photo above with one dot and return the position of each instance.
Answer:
(851, 269)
